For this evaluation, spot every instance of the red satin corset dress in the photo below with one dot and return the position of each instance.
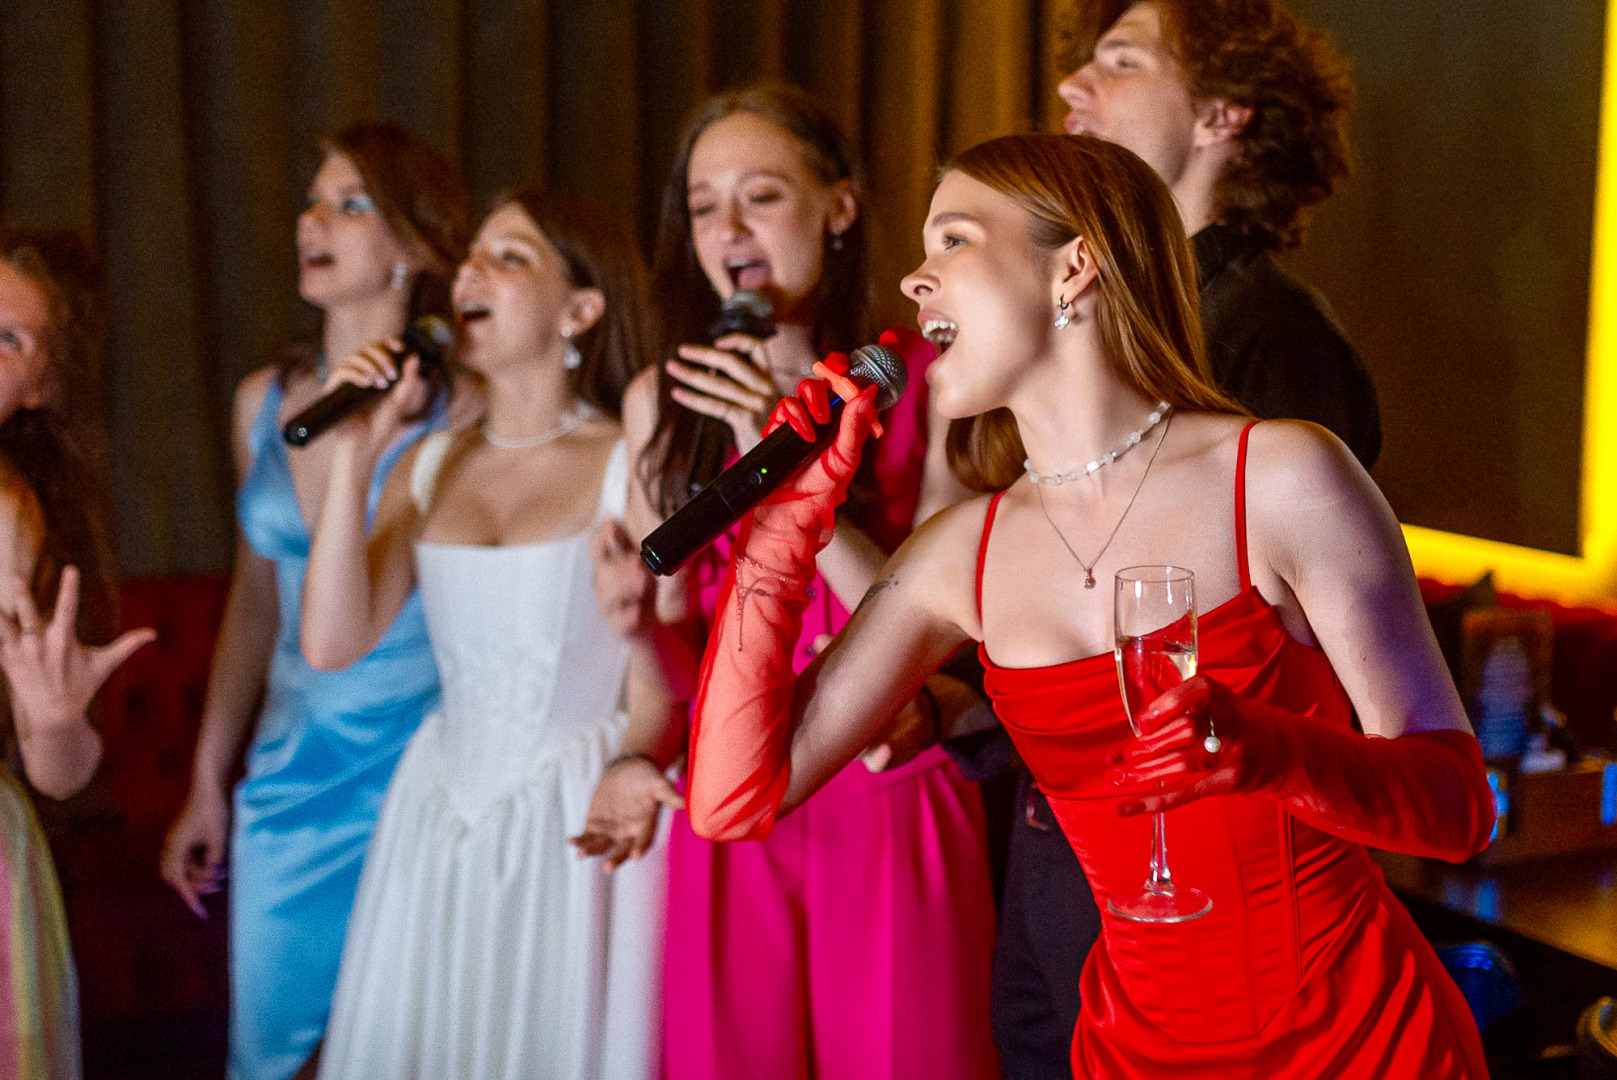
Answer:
(1306, 966)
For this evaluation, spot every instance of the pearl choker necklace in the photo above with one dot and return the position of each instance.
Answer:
(577, 416)
(1133, 440)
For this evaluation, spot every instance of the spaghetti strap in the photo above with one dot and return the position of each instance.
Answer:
(1240, 509)
(429, 461)
(982, 548)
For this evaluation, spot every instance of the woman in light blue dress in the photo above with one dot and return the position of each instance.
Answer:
(385, 227)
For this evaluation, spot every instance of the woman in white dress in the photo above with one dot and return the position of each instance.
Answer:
(481, 946)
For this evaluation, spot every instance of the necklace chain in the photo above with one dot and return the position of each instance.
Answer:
(1134, 437)
(1089, 567)
(571, 422)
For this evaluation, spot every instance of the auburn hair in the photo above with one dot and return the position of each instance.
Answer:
(597, 252)
(1147, 308)
(422, 200)
(56, 448)
(1256, 54)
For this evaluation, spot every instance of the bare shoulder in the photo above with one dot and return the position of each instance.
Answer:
(936, 568)
(1292, 461)
(250, 394)
(1314, 512)
(640, 409)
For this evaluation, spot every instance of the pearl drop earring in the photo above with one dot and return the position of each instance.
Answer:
(1063, 320)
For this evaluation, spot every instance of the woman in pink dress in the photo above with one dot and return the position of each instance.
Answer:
(857, 940)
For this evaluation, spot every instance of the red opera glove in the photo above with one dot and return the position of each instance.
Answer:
(1424, 793)
(741, 735)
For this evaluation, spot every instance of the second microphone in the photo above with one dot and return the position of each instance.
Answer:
(764, 468)
(429, 337)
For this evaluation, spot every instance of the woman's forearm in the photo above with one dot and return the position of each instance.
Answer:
(340, 624)
(657, 722)
(241, 657)
(666, 660)
(850, 563)
(60, 759)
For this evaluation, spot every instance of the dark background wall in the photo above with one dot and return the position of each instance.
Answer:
(1459, 254)
(179, 134)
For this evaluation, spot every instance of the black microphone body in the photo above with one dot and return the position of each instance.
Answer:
(428, 338)
(749, 312)
(763, 469)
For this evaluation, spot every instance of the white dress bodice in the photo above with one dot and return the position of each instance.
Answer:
(527, 664)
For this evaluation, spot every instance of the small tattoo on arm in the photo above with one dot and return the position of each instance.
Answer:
(870, 593)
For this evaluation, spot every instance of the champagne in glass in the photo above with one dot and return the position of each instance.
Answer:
(1154, 614)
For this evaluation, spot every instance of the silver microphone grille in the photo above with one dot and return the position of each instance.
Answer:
(751, 302)
(881, 366)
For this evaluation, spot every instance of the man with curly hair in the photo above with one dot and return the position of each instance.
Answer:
(1240, 108)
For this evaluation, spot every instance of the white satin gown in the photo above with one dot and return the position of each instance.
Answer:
(481, 947)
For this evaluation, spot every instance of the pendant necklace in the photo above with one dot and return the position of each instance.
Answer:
(1039, 484)
(571, 422)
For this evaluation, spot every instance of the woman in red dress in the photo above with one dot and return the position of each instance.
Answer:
(1061, 290)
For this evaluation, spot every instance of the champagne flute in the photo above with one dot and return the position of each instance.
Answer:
(1154, 614)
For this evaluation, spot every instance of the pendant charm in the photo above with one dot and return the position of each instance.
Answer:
(1212, 744)
(1089, 580)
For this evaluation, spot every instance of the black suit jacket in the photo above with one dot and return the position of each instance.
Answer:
(1275, 346)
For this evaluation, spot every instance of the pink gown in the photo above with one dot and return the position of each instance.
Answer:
(857, 941)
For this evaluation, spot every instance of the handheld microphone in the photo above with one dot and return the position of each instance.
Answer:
(429, 337)
(764, 468)
(749, 312)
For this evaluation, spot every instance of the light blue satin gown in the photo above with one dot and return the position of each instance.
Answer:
(325, 748)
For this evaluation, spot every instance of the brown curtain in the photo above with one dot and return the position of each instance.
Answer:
(179, 135)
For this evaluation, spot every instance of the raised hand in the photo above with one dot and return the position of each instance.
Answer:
(622, 819)
(729, 381)
(625, 591)
(741, 730)
(52, 675)
(376, 366)
(812, 495)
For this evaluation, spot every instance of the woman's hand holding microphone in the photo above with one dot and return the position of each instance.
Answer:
(733, 380)
(378, 365)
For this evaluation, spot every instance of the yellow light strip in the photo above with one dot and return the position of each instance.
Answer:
(1591, 579)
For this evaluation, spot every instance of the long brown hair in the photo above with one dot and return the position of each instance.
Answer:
(1256, 54)
(56, 447)
(686, 302)
(424, 203)
(597, 253)
(1147, 310)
